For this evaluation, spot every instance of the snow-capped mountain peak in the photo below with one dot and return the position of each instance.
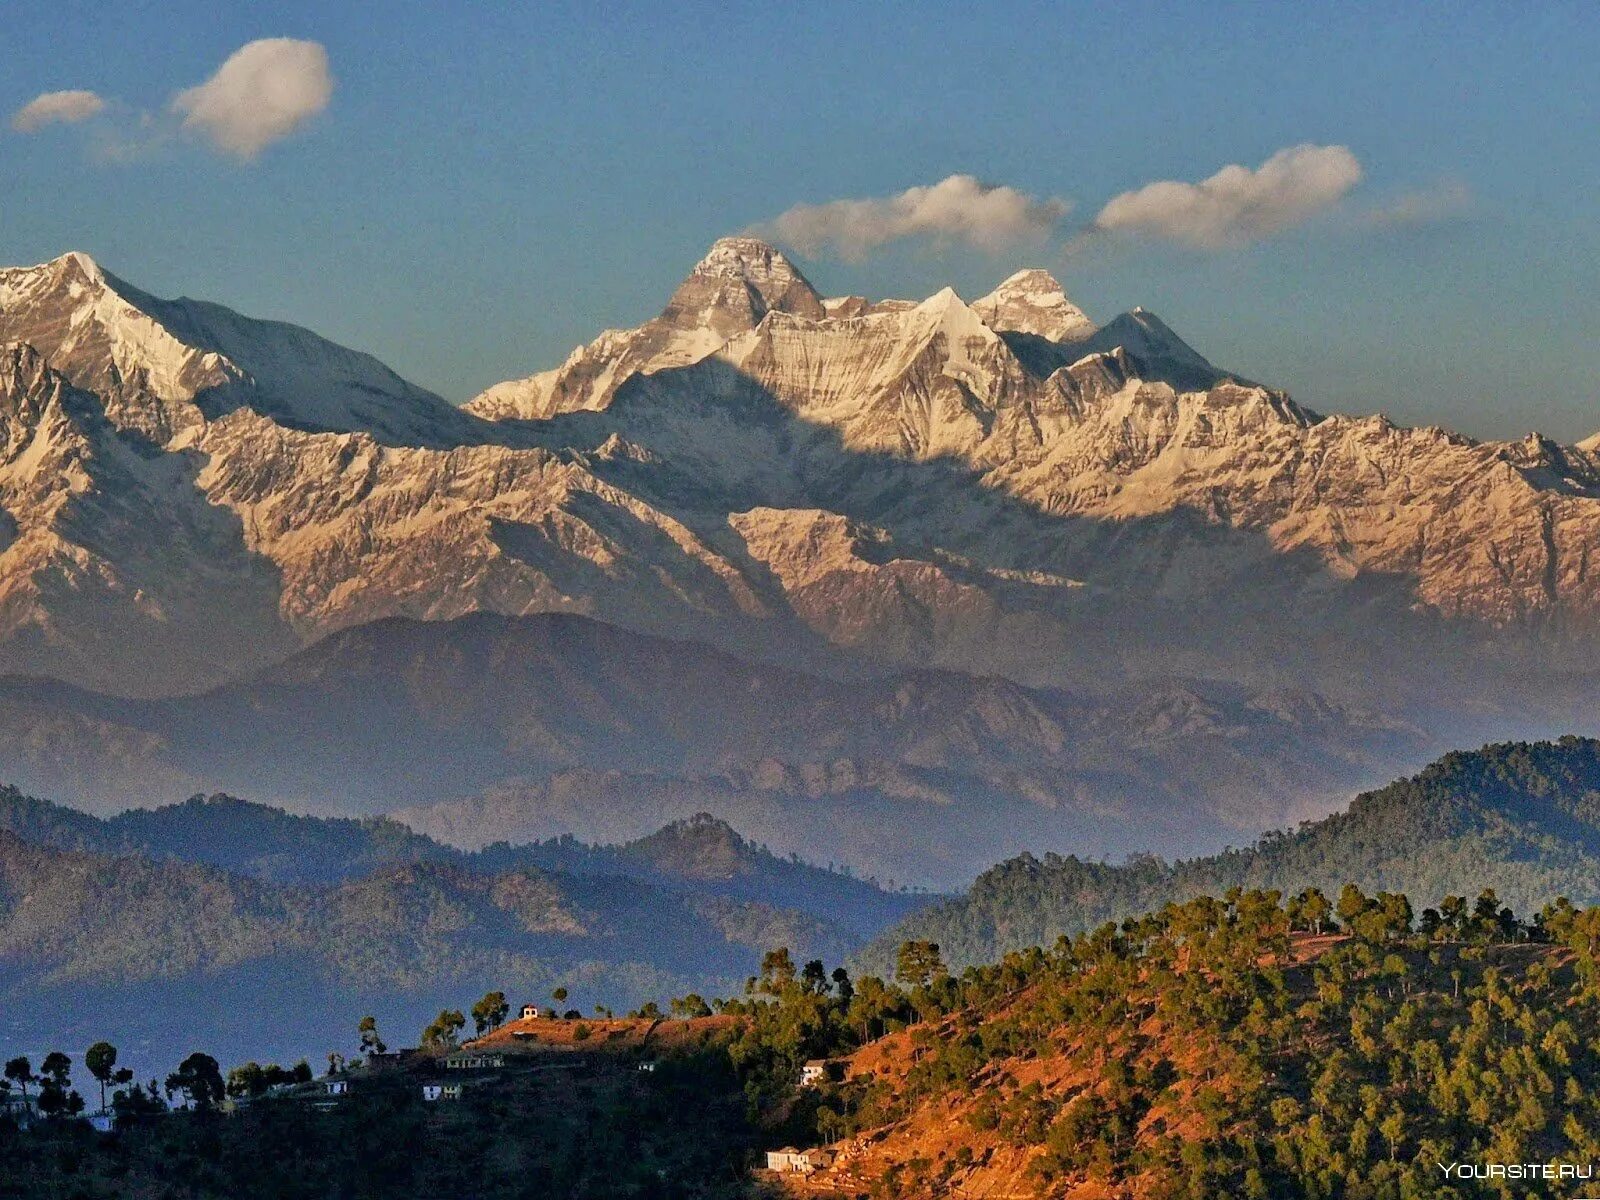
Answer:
(729, 292)
(94, 329)
(164, 365)
(1159, 352)
(737, 283)
(944, 302)
(750, 259)
(184, 490)
(75, 262)
(1031, 301)
(742, 280)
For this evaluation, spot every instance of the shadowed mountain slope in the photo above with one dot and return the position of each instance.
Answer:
(491, 728)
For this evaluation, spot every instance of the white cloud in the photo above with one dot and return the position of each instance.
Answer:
(957, 209)
(1423, 206)
(265, 91)
(1237, 205)
(56, 108)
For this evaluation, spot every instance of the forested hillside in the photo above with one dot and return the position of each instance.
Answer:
(1325, 1047)
(699, 853)
(242, 927)
(1523, 818)
(1225, 1048)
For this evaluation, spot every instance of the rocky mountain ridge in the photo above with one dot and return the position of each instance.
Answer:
(753, 468)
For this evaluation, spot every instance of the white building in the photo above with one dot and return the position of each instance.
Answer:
(790, 1161)
(814, 1072)
(531, 1012)
(432, 1092)
(336, 1087)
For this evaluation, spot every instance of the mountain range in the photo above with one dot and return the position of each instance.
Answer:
(1000, 576)
(976, 486)
(211, 921)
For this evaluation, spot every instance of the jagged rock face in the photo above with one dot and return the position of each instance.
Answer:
(728, 293)
(165, 365)
(69, 312)
(1032, 302)
(738, 283)
(997, 487)
(116, 570)
(360, 532)
(166, 524)
(1484, 531)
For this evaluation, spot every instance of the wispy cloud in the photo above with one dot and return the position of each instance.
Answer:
(264, 92)
(56, 108)
(1238, 205)
(1429, 205)
(960, 208)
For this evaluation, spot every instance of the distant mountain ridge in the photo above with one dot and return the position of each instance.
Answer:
(700, 854)
(183, 914)
(493, 728)
(1522, 818)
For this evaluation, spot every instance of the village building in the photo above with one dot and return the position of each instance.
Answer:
(531, 1012)
(336, 1087)
(814, 1072)
(472, 1060)
(433, 1092)
(790, 1161)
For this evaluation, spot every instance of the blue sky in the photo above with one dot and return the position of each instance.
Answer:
(485, 190)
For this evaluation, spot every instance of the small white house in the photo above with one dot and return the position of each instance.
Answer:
(531, 1012)
(336, 1087)
(790, 1161)
(814, 1072)
(648, 1066)
(433, 1092)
